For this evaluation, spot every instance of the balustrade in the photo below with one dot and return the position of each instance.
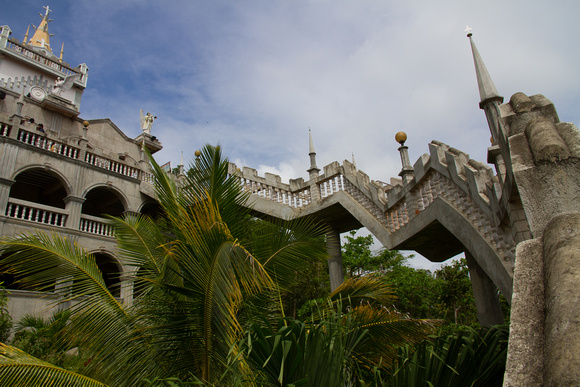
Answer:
(331, 185)
(5, 130)
(96, 225)
(35, 212)
(111, 165)
(39, 58)
(44, 142)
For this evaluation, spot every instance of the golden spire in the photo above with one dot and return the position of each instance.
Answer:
(26, 36)
(41, 36)
(61, 52)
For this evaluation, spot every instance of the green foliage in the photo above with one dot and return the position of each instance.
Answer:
(5, 318)
(204, 269)
(42, 338)
(456, 293)
(446, 294)
(467, 358)
(358, 259)
(339, 345)
(19, 369)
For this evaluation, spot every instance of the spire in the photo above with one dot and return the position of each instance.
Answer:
(487, 90)
(61, 52)
(313, 170)
(26, 35)
(41, 36)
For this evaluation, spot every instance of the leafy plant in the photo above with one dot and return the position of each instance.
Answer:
(467, 358)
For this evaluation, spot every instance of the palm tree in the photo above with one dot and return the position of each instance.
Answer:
(204, 270)
(198, 266)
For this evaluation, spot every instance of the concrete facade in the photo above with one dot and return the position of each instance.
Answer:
(59, 173)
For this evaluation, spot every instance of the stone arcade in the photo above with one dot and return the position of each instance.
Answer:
(519, 226)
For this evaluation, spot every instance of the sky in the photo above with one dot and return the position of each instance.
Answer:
(253, 76)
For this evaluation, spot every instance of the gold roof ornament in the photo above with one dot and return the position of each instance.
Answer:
(41, 36)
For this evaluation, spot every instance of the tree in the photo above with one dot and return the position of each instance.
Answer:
(358, 258)
(206, 271)
(199, 269)
(456, 293)
(5, 318)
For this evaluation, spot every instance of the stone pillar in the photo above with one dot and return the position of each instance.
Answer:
(335, 259)
(5, 185)
(485, 293)
(561, 242)
(74, 206)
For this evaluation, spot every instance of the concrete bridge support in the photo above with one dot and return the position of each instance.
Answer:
(485, 293)
(335, 259)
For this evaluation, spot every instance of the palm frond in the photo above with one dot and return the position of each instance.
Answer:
(17, 368)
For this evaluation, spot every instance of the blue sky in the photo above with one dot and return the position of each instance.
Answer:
(255, 75)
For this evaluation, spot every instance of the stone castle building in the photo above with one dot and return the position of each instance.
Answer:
(59, 173)
(518, 223)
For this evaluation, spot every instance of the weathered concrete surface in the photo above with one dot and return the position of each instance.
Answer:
(525, 362)
(485, 293)
(562, 299)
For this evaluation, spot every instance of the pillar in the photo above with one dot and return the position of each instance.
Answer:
(335, 259)
(74, 206)
(485, 293)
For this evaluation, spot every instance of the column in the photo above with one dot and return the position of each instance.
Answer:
(335, 259)
(485, 293)
(74, 206)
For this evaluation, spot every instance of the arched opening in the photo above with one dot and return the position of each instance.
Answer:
(152, 209)
(111, 272)
(10, 280)
(39, 186)
(101, 201)
(38, 196)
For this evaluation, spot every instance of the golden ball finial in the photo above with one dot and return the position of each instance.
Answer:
(197, 153)
(86, 124)
(401, 137)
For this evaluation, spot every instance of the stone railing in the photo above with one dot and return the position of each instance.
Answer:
(34, 212)
(96, 225)
(331, 185)
(35, 56)
(43, 142)
(5, 129)
(112, 165)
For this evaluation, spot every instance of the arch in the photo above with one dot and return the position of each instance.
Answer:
(151, 208)
(40, 185)
(102, 199)
(111, 270)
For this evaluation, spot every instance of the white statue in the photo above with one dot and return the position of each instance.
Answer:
(65, 84)
(147, 122)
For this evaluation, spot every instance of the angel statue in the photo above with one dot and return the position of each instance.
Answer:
(65, 84)
(147, 122)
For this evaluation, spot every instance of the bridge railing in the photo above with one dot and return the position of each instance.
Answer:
(331, 185)
(295, 199)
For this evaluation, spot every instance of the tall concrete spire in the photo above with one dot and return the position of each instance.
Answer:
(313, 170)
(487, 90)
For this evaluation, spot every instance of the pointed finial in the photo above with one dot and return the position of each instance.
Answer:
(353, 160)
(313, 170)
(487, 90)
(61, 52)
(26, 35)
(311, 143)
(468, 30)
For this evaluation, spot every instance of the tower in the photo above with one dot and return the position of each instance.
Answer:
(58, 172)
